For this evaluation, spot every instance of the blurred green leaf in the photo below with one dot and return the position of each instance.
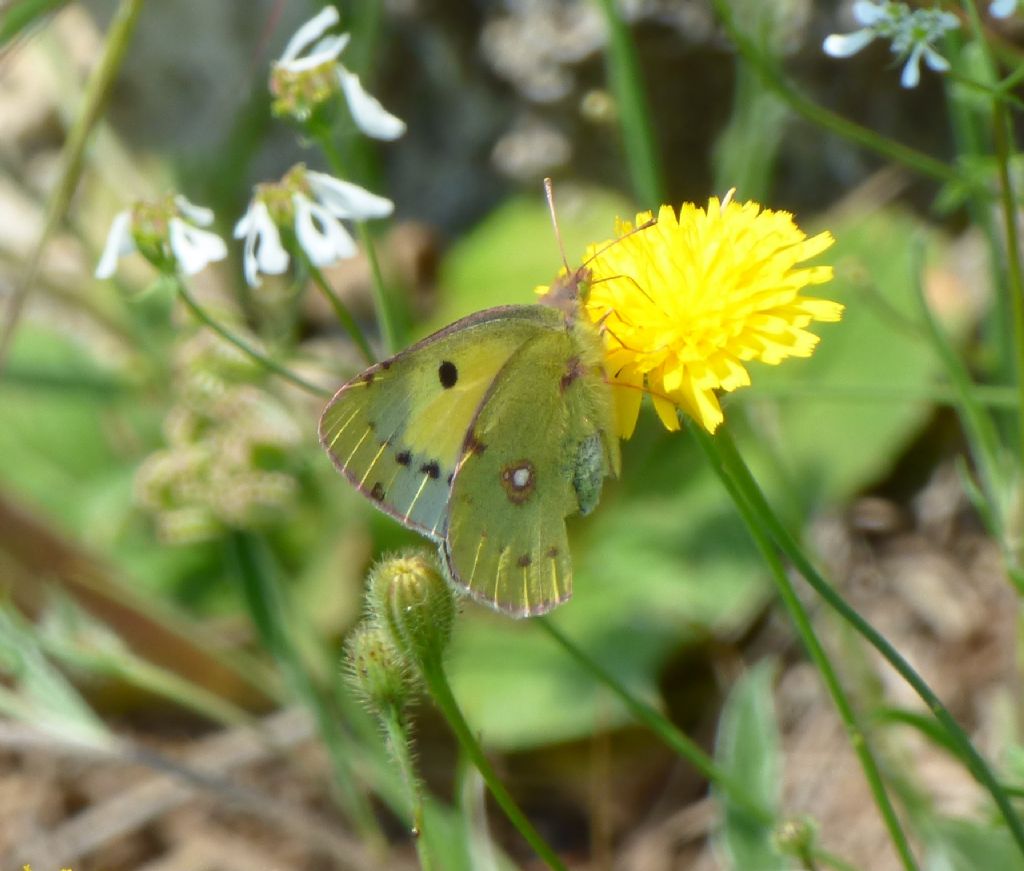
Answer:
(748, 749)
(22, 14)
(968, 845)
(815, 435)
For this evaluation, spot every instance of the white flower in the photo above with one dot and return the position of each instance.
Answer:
(911, 33)
(298, 82)
(165, 233)
(263, 250)
(1002, 8)
(312, 205)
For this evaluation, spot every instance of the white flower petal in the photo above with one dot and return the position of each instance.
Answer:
(323, 52)
(1002, 8)
(846, 44)
(347, 200)
(194, 248)
(263, 250)
(868, 13)
(320, 233)
(119, 242)
(311, 31)
(935, 60)
(199, 215)
(912, 69)
(370, 116)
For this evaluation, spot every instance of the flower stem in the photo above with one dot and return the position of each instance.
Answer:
(267, 608)
(244, 346)
(96, 91)
(397, 734)
(758, 515)
(381, 297)
(630, 94)
(440, 691)
(721, 453)
(341, 311)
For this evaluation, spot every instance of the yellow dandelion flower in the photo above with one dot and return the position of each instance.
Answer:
(684, 303)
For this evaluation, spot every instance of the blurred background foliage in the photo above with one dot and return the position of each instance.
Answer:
(137, 447)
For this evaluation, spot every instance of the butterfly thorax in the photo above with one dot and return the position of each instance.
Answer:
(567, 292)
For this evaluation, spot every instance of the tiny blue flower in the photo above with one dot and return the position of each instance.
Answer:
(1002, 8)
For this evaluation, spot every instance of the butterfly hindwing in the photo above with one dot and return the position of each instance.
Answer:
(397, 430)
(506, 541)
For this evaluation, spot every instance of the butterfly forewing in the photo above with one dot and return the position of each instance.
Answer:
(397, 430)
(506, 541)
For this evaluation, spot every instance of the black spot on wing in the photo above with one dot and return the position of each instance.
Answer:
(403, 458)
(552, 552)
(447, 374)
(524, 561)
(377, 492)
(431, 469)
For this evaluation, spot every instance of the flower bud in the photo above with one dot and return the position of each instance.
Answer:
(795, 836)
(412, 601)
(376, 670)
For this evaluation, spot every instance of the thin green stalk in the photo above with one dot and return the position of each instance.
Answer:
(244, 346)
(397, 735)
(678, 741)
(267, 609)
(721, 461)
(1001, 140)
(96, 92)
(441, 693)
(758, 512)
(631, 96)
(381, 296)
(821, 116)
(341, 311)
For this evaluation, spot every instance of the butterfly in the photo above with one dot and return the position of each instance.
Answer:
(484, 437)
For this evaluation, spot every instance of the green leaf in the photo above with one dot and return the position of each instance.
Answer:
(969, 845)
(822, 428)
(748, 749)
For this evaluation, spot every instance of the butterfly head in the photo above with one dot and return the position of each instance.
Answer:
(568, 292)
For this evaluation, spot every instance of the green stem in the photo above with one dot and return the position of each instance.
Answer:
(341, 311)
(96, 92)
(381, 296)
(397, 735)
(267, 609)
(821, 116)
(722, 461)
(631, 96)
(244, 346)
(733, 790)
(440, 691)
(675, 740)
(757, 512)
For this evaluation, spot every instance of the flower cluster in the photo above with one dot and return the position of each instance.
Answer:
(685, 302)
(308, 73)
(226, 463)
(912, 34)
(167, 233)
(311, 205)
(308, 206)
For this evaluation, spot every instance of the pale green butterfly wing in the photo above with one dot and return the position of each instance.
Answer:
(397, 430)
(537, 451)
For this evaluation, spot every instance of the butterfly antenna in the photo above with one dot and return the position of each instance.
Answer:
(549, 193)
